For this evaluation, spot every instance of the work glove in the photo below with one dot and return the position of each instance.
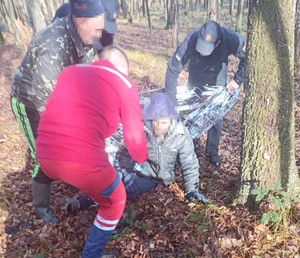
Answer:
(125, 160)
(193, 194)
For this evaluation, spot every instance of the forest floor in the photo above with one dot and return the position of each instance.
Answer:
(164, 225)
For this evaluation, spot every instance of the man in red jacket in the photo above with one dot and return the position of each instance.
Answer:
(87, 105)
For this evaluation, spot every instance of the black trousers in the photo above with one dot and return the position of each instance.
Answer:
(28, 120)
(213, 137)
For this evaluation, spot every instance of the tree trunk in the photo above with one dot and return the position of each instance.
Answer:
(176, 25)
(184, 7)
(1, 37)
(231, 7)
(126, 11)
(268, 151)
(212, 9)
(239, 17)
(9, 14)
(149, 18)
(205, 4)
(170, 12)
(198, 5)
(35, 15)
(297, 36)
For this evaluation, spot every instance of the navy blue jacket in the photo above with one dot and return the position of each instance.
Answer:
(205, 70)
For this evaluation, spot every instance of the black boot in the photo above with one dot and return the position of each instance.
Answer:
(41, 198)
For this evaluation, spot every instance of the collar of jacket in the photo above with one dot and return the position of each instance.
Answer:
(80, 49)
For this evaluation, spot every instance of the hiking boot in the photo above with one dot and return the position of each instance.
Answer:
(214, 158)
(41, 201)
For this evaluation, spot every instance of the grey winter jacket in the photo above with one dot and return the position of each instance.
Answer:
(50, 51)
(162, 157)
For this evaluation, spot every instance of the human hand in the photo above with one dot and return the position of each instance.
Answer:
(193, 194)
(232, 85)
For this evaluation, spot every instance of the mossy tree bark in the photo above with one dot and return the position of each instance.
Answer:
(239, 17)
(268, 151)
(297, 36)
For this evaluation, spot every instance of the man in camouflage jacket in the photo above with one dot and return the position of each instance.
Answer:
(65, 42)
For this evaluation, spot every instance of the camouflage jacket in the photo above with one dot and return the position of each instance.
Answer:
(50, 51)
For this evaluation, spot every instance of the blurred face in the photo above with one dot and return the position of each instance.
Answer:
(90, 28)
(161, 126)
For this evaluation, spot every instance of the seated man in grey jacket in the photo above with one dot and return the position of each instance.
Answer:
(167, 138)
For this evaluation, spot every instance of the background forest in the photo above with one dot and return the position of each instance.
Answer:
(162, 223)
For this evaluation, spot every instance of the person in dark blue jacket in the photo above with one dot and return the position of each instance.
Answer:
(206, 50)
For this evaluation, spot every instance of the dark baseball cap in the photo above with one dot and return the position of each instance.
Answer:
(208, 36)
(86, 8)
(111, 12)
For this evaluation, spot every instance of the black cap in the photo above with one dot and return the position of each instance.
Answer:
(86, 8)
(208, 36)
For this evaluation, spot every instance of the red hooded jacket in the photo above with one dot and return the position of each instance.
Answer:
(87, 105)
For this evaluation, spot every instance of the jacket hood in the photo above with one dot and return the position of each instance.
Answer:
(159, 107)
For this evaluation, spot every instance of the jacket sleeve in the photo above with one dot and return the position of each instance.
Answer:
(133, 128)
(237, 47)
(124, 159)
(175, 66)
(240, 53)
(189, 163)
(44, 73)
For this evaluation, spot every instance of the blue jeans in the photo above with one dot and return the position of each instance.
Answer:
(136, 185)
(95, 241)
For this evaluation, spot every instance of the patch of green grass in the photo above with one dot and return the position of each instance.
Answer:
(146, 66)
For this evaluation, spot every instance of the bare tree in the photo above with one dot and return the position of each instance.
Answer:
(35, 15)
(231, 6)
(126, 10)
(239, 17)
(212, 9)
(297, 36)
(149, 18)
(10, 15)
(170, 13)
(198, 5)
(176, 25)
